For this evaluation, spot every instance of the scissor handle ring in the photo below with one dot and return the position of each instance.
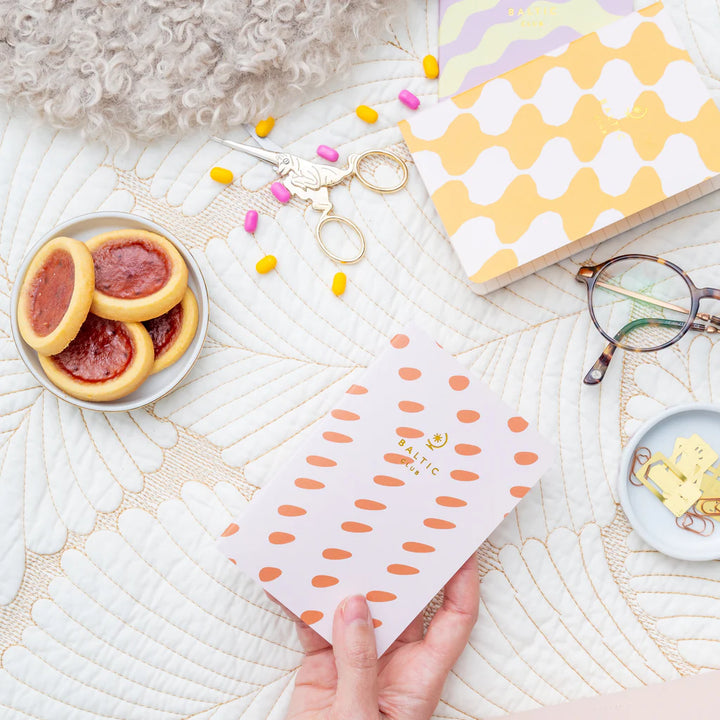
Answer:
(380, 188)
(327, 218)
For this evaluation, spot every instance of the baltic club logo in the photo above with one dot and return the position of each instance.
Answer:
(437, 441)
(416, 459)
(532, 17)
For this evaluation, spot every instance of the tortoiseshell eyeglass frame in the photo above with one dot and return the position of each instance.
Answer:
(589, 274)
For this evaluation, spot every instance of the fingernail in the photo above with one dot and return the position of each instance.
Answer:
(355, 609)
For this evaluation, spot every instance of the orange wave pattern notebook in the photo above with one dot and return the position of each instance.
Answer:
(395, 488)
(569, 149)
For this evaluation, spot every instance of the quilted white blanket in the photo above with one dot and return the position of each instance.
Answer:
(114, 602)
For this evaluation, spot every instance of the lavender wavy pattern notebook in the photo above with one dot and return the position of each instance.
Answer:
(480, 39)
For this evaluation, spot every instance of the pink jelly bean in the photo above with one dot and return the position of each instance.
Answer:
(280, 192)
(251, 218)
(409, 99)
(328, 153)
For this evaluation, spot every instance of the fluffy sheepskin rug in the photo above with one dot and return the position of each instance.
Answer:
(157, 67)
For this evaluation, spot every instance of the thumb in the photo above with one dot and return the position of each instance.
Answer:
(355, 660)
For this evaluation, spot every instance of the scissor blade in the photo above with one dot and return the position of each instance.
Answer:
(266, 155)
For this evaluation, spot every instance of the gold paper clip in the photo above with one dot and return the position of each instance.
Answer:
(669, 484)
(683, 479)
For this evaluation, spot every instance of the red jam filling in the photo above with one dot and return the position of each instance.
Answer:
(50, 292)
(102, 350)
(165, 329)
(130, 268)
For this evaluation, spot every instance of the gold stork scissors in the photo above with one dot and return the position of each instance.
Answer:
(312, 181)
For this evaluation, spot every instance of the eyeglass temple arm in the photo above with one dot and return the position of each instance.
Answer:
(639, 296)
(598, 370)
(715, 294)
(661, 303)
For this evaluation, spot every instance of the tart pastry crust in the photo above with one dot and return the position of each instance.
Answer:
(182, 335)
(131, 358)
(56, 295)
(139, 275)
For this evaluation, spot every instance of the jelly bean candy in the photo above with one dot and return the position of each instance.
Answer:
(221, 175)
(328, 153)
(280, 192)
(251, 218)
(407, 98)
(339, 282)
(431, 67)
(263, 128)
(366, 113)
(266, 264)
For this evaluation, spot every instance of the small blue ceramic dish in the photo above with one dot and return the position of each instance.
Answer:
(649, 517)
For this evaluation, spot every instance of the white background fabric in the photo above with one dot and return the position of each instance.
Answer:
(114, 602)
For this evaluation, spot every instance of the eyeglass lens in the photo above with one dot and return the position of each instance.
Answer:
(641, 304)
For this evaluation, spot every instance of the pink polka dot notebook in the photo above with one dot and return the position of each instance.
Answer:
(415, 465)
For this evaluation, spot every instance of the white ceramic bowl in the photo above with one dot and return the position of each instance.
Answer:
(83, 228)
(649, 517)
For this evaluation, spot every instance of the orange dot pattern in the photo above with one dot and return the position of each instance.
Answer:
(309, 484)
(464, 475)
(320, 461)
(519, 491)
(466, 449)
(269, 573)
(468, 416)
(525, 458)
(398, 569)
(311, 616)
(336, 554)
(409, 373)
(517, 424)
(231, 529)
(355, 527)
(388, 481)
(438, 524)
(447, 501)
(459, 382)
(380, 596)
(344, 415)
(409, 560)
(396, 458)
(369, 505)
(408, 432)
(280, 538)
(418, 547)
(321, 581)
(337, 437)
(291, 511)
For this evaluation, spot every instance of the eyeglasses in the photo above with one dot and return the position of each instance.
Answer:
(642, 303)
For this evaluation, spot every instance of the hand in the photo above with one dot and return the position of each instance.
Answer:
(348, 682)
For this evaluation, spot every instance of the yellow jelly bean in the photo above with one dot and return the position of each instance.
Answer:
(263, 128)
(431, 67)
(266, 264)
(366, 113)
(339, 282)
(221, 175)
